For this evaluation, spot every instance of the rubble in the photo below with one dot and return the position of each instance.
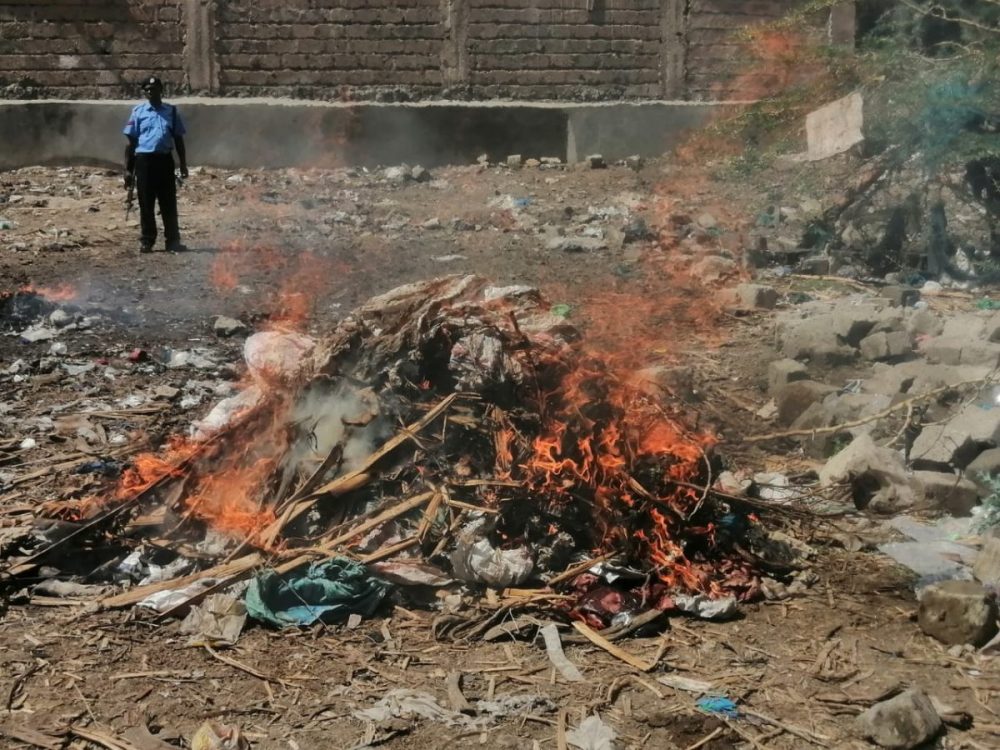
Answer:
(987, 566)
(757, 296)
(781, 372)
(877, 476)
(225, 326)
(958, 612)
(901, 723)
(793, 398)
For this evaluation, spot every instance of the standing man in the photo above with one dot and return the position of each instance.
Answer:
(153, 130)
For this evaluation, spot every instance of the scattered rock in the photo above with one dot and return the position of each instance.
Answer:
(985, 464)
(397, 174)
(899, 296)
(166, 392)
(924, 323)
(713, 268)
(596, 161)
(815, 266)
(634, 163)
(225, 326)
(433, 223)
(515, 161)
(878, 477)
(795, 397)
(60, 318)
(781, 372)
(901, 723)
(958, 441)
(707, 221)
(757, 296)
(956, 612)
(419, 174)
(882, 346)
(532, 163)
(948, 492)
(987, 566)
(575, 244)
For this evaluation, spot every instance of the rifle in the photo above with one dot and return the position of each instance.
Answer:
(130, 199)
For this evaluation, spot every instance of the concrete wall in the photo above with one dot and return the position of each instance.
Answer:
(387, 50)
(266, 133)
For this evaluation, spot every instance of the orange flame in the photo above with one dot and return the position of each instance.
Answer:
(63, 292)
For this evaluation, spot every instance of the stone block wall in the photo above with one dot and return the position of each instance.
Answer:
(388, 49)
(88, 48)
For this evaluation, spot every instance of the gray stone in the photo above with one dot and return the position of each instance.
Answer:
(713, 268)
(60, 318)
(884, 346)
(596, 161)
(781, 372)
(706, 220)
(515, 160)
(420, 174)
(757, 295)
(985, 464)
(942, 350)
(818, 265)
(987, 566)
(813, 339)
(948, 492)
(902, 722)
(634, 163)
(924, 323)
(835, 127)
(225, 326)
(877, 476)
(899, 296)
(958, 612)
(917, 377)
(575, 244)
(958, 441)
(795, 397)
(980, 353)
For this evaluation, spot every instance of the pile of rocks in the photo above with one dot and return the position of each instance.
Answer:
(912, 363)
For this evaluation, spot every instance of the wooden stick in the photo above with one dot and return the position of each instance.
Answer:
(327, 548)
(429, 513)
(248, 669)
(457, 700)
(602, 642)
(575, 570)
(387, 515)
(705, 740)
(359, 477)
(817, 739)
(390, 550)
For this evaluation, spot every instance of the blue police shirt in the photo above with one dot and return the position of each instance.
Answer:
(154, 127)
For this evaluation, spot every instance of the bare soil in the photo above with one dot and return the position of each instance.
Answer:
(264, 242)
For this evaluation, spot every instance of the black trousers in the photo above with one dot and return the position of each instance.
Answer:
(154, 182)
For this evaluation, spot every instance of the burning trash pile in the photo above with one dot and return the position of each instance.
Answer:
(447, 433)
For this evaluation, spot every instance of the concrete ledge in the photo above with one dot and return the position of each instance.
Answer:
(241, 133)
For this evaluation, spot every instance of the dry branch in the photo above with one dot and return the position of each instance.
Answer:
(598, 640)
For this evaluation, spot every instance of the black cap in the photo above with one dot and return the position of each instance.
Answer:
(150, 81)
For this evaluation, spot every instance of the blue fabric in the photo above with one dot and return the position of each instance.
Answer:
(719, 705)
(154, 127)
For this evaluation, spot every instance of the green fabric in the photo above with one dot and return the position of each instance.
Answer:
(326, 591)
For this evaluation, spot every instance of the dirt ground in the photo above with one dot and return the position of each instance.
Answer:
(291, 245)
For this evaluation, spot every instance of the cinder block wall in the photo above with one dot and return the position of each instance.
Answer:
(394, 50)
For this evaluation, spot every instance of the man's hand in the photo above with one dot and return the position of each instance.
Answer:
(129, 180)
(184, 171)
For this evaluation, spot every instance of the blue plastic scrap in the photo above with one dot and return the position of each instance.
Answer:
(327, 591)
(719, 706)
